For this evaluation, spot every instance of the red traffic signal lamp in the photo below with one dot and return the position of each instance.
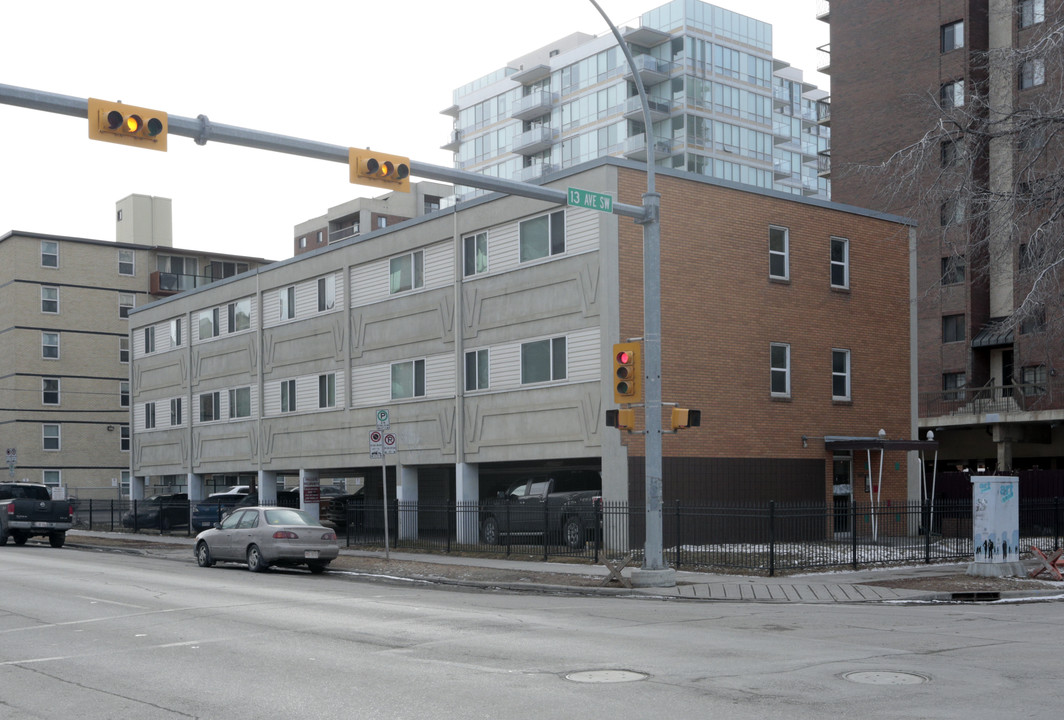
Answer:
(127, 124)
(684, 418)
(627, 369)
(379, 170)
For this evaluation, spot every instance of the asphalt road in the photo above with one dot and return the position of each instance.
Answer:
(90, 634)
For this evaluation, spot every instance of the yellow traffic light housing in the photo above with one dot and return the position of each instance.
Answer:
(127, 124)
(379, 170)
(683, 418)
(623, 419)
(627, 373)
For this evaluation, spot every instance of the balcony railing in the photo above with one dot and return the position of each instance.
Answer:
(537, 104)
(166, 283)
(1001, 399)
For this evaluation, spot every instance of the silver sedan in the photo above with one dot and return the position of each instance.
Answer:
(264, 536)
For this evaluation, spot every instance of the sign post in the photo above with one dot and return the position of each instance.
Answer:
(12, 460)
(382, 443)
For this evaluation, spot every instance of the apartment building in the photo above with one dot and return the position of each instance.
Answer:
(989, 387)
(486, 332)
(64, 338)
(721, 105)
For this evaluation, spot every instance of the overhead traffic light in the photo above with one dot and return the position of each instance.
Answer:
(380, 170)
(623, 419)
(127, 125)
(684, 418)
(627, 383)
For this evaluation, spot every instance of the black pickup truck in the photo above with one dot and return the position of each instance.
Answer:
(27, 509)
(566, 508)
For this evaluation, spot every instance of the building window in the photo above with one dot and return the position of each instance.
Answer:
(1032, 73)
(408, 379)
(123, 438)
(542, 236)
(208, 323)
(951, 94)
(149, 339)
(123, 393)
(50, 391)
(779, 265)
(239, 315)
(1032, 12)
(1034, 321)
(382, 222)
(327, 390)
(52, 478)
(952, 328)
(476, 254)
(123, 350)
(326, 293)
(50, 437)
(49, 253)
(840, 374)
(432, 204)
(49, 299)
(953, 384)
(952, 36)
(321, 236)
(780, 369)
(1033, 379)
(240, 403)
(125, 262)
(543, 361)
(303, 242)
(149, 416)
(288, 396)
(125, 304)
(407, 272)
(209, 407)
(175, 412)
(476, 370)
(50, 345)
(840, 262)
(175, 332)
(952, 270)
(951, 212)
(288, 303)
(949, 153)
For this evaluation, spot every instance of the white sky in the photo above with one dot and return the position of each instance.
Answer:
(348, 72)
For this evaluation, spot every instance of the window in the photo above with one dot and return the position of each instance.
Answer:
(476, 370)
(50, 391)
(952, 328)
(408, 379)
(175, 332)
(219, 269)
(49, 253)
(542, 236)
(288, 396)
(208, 323)
(951, 212)
(949, 153)
(125, 262)
(476, 254)
(327, 390)
(123, 350)
(125, 303)
(303, 241)
(1034, 321)
(175, 412)
(951, 94)
(779, 253)
(543, 360)
(123, 438)
(952, 36)
(288, 303)
(209, 407)
(953, 383)
(780, 369)
(1032, 12)
(840, 262)
(149, 415)
(149, 339)
(952, 270)
(382, 222)
(52, 478)
(49, 299)
(240, 403)
(1033, 379)
(123, 393)
(50, 345)
(840, 374)
(432, 203)
(1032, 73)
(50, 437)
(407, 272)
(239, 315)
(326, 293)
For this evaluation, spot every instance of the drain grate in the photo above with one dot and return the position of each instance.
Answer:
(885, 677)
(975, 596)
(605, 676)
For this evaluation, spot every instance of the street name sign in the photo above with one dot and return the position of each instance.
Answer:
(591, 200)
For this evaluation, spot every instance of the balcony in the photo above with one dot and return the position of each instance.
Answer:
(534, 141)
(534, 172)
(651, 70)
(338, 234)
(825, 59)
(455, 143)
(823, 110)
(823, 11)
(823, 164)
(660, 109)
(962, 406)
(164, 284)
(635, 148)
(530, 107)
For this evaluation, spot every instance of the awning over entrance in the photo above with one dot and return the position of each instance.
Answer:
(993, 334)
(856, 443)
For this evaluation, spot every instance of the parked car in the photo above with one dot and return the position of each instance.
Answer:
(158, 511)
(265, 536)
(27, 509)
(285, 498)
(208, 513)
(565, 507)
(233, 490)
(335, 514)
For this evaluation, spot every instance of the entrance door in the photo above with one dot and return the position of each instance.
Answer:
(842, 490)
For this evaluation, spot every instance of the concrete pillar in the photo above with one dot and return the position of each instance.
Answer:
(137, 487)
(406, 493)
(267, 487)
(467, 496)
(195, 487)
(309, 478)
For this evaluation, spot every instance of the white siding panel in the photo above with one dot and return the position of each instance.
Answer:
(581, 230)
(271, 398)
(503, 250)
(307, 393)
(271, 308)
(371, 385)
(306, 300)
(582, 350)
(439, 376)
(439, 265)
(505, 368)
(369, 283)
(138, 417)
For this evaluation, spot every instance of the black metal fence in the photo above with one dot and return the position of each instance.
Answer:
(767, 538)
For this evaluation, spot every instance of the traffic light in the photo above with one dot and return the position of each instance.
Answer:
(684, 418)
(627, 382)
(379, 170)
(127, 125)
(621, 419)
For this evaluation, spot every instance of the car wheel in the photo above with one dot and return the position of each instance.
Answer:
(255, 561)
(317, 567)
(19, 538)
(203, 555)
(489, 530)
(57, 539)
(573, 532)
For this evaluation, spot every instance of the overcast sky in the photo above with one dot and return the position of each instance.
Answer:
(346, 72)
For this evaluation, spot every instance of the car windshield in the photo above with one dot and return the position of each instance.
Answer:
(288, 516)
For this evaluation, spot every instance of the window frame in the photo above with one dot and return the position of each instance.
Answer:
(951, 91)
(287, 302)
(415, 269)
(949, 37)
(1030, 13)
(777, 371)
(557, 355)
(149, 416)
(46, 300)
(418, 379)
(131, 262)
(953, 270)
(555, 245)
(175, 332)
(149, 339)
(45, 335)
(54, 391)
(953, 328)
(783, 256)
(478, 369)
(123, 393)
(57, 438)
(123, 350)
(175, 412)
(211, 316)
(237, 396)
(288, 395)
(210, 401)
(326, 391)
(952, 389)
(233, 314)
(845, 375)
(836, 264)
(1032, 73)
(326, 293)
(124, 440)
(474, 258)
(45, 253)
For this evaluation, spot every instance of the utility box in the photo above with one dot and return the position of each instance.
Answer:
(996, 527)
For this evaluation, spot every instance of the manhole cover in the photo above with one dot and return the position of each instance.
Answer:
(885, 677)
(605, 676)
